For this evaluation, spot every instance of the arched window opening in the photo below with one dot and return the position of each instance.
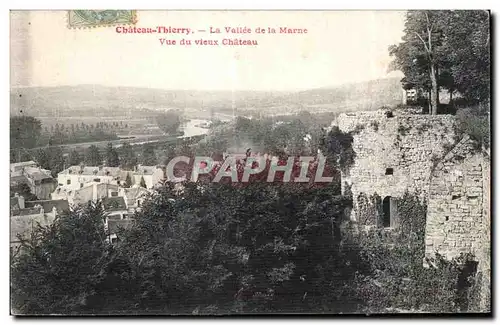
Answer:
(389, 212)
(386, 208)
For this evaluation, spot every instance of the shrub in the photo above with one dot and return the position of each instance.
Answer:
(337, 146)
(62, 265)
(391, 275)
(475, 122)
(403, 130)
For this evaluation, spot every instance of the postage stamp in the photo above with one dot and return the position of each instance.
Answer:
(97, 18)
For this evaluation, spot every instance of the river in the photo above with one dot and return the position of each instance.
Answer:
(191, 129)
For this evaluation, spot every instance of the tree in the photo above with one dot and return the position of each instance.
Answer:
(112, 158)
(148, 156)
(42, 158)
(143, 182)
(23, 190)
(56, 160)
(246, 254)
(44, 279)
(420, 51)
(445, 49)
(51, 158)
(74, 157)
(169, 122)
(25, 132)
(266, 249)
(92, 156)
(468, 43)
(128, 157)
(128, 181)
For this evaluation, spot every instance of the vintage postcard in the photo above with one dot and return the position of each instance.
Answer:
(250, 162)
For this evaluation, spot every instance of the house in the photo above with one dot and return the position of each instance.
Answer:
(17, 202)
(92, 191)
(152, 175)
(19, 206)
(115, 207)
(60, 206)
(26, 216)
(410, 96)
(116, 215)
(24, 222)
(76, 177)
(133, 196)
(16, 169)
(17, 181)
(40, 182)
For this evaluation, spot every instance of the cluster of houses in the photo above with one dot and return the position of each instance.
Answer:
(119, 191)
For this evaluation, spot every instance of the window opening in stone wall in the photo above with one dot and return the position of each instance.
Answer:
(447, 218)
(389, 114)
(389, 171)
(389, 212)
(454, 197)
(386, 207)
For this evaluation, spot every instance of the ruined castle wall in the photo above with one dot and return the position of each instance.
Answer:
(427, 159)
(455, 208)
(409, 144)
(458, 216)
(484, 254)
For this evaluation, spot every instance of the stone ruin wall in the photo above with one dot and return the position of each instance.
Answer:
(455, 205)
(409, 144)
(458, 214)
(426, 159)
(484, 254)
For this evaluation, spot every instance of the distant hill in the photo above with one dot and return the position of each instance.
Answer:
(88, 100)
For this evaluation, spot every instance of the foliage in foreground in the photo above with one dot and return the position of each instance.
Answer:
(62, 265)
(475, 121)
(264, 249)
(392, 275)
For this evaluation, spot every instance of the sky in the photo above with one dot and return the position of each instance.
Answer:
(340, 47)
